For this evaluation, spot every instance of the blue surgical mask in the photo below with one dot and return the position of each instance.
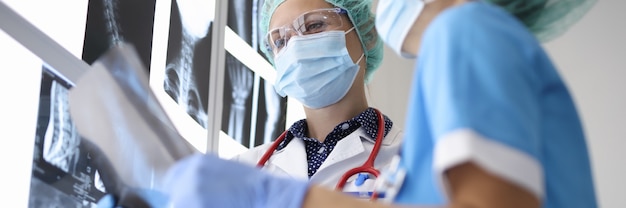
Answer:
(315, 69)
(394, 19)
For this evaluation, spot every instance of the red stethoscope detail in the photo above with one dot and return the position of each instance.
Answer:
(367, 167)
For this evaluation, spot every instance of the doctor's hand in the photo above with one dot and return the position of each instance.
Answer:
(204, 180)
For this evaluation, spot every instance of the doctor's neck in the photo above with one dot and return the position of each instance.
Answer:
(412, 41)
(321, 122)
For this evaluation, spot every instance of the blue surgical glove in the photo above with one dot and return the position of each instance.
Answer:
(204, 180)
(134, 198)
(107, 201)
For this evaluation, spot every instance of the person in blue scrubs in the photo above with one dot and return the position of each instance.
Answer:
(490, 121)
(487, 104)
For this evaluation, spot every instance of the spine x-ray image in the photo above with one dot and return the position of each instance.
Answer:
(65, 168)
(189, 57)
(110, 22)
(253, 113)
(69, 171)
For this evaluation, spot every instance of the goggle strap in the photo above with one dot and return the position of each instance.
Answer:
(350, 30)
(360, 58)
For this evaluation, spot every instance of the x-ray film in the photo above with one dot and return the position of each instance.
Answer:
(252, 112)
(114, 107)
(66, 172)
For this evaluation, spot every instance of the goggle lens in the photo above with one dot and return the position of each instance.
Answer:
(312, 22)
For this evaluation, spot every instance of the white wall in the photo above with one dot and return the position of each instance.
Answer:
(592, 59)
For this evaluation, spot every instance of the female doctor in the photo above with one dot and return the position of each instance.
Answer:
(324, 52)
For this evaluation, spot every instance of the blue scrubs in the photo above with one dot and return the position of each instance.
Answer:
(479, 68)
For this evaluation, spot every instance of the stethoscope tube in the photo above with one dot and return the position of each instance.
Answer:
(367, 167)
(271, 150)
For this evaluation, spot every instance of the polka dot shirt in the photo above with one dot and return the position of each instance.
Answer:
(317, 151)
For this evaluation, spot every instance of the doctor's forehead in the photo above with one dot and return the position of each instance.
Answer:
(289, 10)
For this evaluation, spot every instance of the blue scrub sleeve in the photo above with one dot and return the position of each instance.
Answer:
(475, 80)
(208, 181)
(478, 74)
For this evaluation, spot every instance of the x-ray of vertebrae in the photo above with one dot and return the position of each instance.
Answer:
(61, 140)
(112, 25)
(188, 57)
(111, 22)
(65, 173)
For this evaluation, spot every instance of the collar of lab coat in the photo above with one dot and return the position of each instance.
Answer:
(290, 159)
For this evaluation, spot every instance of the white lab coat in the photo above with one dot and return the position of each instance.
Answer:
(350, 152)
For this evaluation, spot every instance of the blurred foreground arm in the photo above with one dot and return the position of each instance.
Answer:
(205, 180)
(322, 197)
(471, 186)
(208, 181)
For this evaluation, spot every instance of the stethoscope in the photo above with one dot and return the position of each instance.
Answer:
(367, 167)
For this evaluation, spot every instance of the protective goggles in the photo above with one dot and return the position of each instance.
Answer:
(311, 22)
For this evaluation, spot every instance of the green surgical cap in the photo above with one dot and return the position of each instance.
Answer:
(359, 12)
(547, 19)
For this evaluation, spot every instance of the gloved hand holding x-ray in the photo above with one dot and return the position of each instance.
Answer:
(113, 107)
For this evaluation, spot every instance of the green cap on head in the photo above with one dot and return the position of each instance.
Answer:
(359, 12)
(547, 19)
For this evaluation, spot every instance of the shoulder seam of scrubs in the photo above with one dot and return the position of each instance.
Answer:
(463, 145)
